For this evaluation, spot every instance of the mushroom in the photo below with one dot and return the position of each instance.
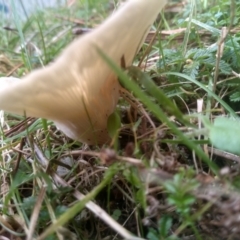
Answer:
(79, 91)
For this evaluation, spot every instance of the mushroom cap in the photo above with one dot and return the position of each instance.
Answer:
(79, 91)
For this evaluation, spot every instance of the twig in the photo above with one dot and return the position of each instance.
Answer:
(35, 213)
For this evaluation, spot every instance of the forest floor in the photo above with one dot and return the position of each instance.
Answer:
(170, 173)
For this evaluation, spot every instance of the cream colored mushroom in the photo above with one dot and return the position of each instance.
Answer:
(79, 91)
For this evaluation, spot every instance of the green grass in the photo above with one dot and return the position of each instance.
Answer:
(160, 179)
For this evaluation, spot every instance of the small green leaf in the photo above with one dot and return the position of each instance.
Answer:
(113, 124)
(164, 225)
(205, 26)
(152, 234)
(141, 197)
(225, 134)
(116, 214)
